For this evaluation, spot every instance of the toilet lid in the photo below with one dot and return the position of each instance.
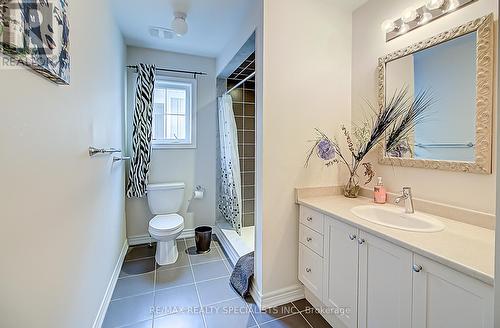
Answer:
(166, 223)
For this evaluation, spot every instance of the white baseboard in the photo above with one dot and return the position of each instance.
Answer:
(139, 240)
(227, 246)
(146, 239)
(281, 296)
(256, 295)
(111, 287)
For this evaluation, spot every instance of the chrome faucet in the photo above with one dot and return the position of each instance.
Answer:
(407, 197)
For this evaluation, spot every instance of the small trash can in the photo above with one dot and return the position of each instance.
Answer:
(203, 238)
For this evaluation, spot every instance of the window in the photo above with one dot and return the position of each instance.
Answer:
(174, 113)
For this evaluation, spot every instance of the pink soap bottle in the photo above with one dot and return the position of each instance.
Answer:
(379, 192)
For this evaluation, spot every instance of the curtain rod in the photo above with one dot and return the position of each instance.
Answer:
(240, 83)
(171, 70)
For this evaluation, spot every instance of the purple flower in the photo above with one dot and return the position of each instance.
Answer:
(325, 150)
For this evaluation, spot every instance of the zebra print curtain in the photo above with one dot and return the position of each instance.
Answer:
(142, 132)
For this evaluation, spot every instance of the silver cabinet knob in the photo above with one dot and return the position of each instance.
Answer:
(361, 241)
(308, 270)
(309, 219)
(309, 239)
(417, 268)
(352, 237)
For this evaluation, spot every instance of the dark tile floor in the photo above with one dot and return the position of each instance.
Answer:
(193, 292)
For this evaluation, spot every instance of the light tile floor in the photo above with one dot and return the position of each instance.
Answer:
(193, 292)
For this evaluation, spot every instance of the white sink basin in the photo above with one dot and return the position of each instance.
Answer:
(395, 217)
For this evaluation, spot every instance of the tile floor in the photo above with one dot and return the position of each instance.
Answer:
(193, 292)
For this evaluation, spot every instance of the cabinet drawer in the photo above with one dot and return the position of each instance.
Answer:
(312, 239)
(311, 219)
(311, 270)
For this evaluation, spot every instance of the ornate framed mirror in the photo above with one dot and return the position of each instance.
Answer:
(457, 67)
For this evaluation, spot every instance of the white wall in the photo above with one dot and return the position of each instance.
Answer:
(242, 33)
(306, 85)
(471, 191)
(62, 217)
(191, 166)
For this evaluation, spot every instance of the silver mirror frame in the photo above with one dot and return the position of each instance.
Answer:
(484, 27)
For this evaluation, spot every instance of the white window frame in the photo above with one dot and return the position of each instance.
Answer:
(191, 110)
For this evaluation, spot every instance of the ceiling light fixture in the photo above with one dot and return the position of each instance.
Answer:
(179, 24)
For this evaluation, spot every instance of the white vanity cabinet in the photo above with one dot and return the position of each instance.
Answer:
(311, 250)
(385, 284)
(341, 270)
(443, 297)
(373, 283)
(368, 278)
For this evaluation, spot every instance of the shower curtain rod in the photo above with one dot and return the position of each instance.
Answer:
(240, 83)
(171, 70)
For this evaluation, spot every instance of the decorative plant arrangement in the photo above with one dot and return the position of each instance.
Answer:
(390, 126)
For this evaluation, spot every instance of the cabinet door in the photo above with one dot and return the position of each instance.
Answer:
(445, 298)
(385, 284)
(341, 271)
(311, 270)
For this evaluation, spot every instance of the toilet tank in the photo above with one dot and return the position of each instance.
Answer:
(165, 198)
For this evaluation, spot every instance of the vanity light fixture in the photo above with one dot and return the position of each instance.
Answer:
(413, 18)
(409, 15)
(434, 4)
(453, 5)
(404, 28)
(426, 17)
(388, 26)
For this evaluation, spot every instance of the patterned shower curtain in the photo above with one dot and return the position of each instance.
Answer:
(142, 131)
(230, 189)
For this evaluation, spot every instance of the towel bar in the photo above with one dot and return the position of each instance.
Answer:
(118, 159)
(94, 151)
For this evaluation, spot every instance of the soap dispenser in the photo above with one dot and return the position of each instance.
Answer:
(379, 192)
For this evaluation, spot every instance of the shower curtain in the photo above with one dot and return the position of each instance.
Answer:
(230, 190)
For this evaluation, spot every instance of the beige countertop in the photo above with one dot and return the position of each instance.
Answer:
(464, 247)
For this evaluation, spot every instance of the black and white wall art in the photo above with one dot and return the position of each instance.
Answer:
(35, 33)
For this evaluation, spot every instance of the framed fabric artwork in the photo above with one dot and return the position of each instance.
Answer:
(35, 33)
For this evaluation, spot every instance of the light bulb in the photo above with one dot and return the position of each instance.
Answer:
(453, 4)
(409, 15)
(388, 26)
(404, 28)
(426, 17)
(434, 4)
(179, 24)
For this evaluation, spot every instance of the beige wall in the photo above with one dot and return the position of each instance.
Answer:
(471, 191)
(306, 85)
(62, 218)
(191, 166)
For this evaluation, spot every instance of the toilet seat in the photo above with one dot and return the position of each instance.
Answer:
(162, 225)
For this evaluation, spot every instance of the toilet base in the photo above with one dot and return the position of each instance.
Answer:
(166, 252)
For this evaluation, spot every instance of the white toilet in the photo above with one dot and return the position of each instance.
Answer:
(165, 200)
